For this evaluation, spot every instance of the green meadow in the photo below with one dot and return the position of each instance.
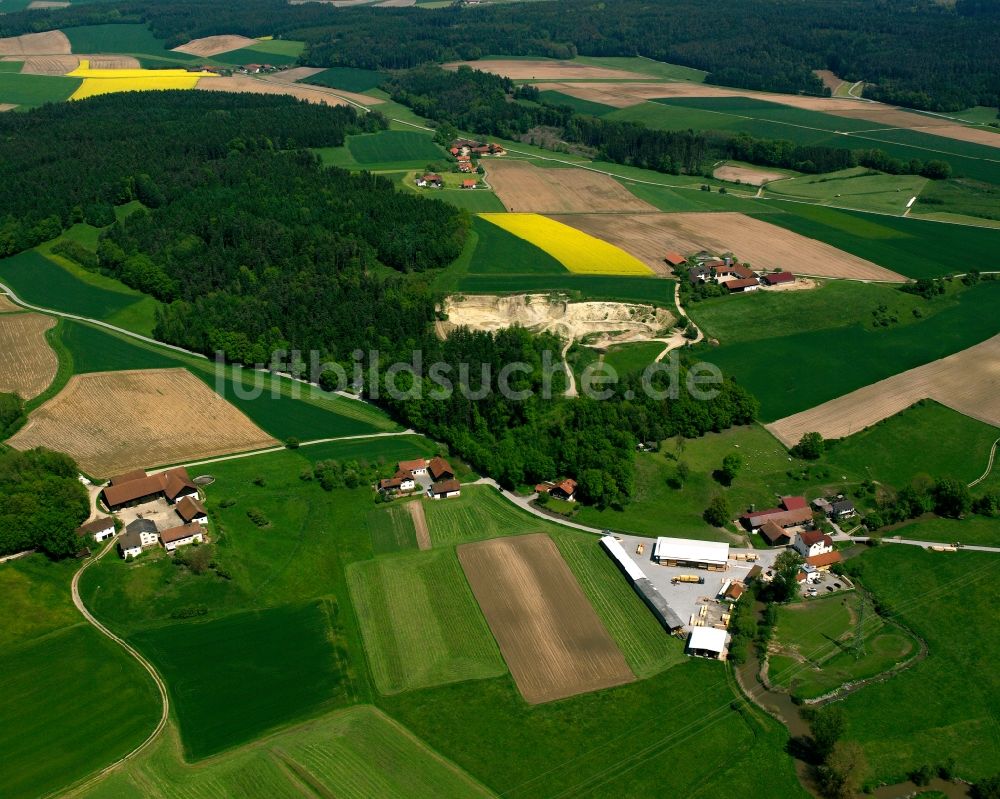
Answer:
(350, 79)
(498, 252)
(790, 373)
(420, 622)
(401, 148)
(31, 90)
(132, 38)
(853, 188)
(926, 714)
(234, 678)
(71, 700)
(588, 107)
(391, 529)
(279, 52)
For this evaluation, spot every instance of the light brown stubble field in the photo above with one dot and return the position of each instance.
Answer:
(28, 364)
(545, 69)
(968, 382)
(213, 45)
(763, 245)
(48, 43)
(416, 509)
(526, 188)
(554, 643)
(112, 422)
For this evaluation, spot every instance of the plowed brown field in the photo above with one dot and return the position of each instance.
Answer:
(112, 422)
(313, 94)
(213, 45)
(743, 174)
(763, 245)
(27, 362)
(416, 510)
(526, 188)
(554, 643)
(48, 43)
(968, 382)
(7, 304)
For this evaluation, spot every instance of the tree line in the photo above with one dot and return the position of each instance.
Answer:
(923, 55)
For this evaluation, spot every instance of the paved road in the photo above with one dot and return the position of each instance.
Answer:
(525, 503)
(989, 465)
(160, 684)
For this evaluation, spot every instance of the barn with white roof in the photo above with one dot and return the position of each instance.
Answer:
(711, 555)
(707, 642)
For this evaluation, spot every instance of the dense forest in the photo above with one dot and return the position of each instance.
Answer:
(545, 435)
(118, 148)
(489, 104)
(922, 54)
(41, 502)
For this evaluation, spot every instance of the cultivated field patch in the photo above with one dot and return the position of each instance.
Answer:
(391, 529)
(111, 422)
(48, 43)
(213, 45)
(764, 246)
(523, 187)
(570, 245)
(601, 323)
(544, 69)
(968, 382)
(7, 305)
(420, 623)
(416, 511)
(752, 176)
(554, 643)
(27, 363)
(107, 81)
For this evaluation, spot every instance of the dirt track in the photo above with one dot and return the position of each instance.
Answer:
(213, 45)
(544, 69)
(48, 43)
(968, 382)
(601, 323)
(523, 187)
(742, 174)
(554, 643)
(112, 422)
(763, 245)
(28, 363)
(416, 509)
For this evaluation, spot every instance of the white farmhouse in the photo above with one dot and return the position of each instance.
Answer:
(812, 543)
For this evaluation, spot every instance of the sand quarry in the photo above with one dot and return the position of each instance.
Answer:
(968, 382)
(523, 187)
(596, 324)
(763, 245)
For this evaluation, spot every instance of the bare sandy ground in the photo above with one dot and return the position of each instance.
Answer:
(396, 3)
(7, 305)
(968, 382)
(246, 84)
(416, 510)
(831, 81)
(213, 45)
(544, 69)
(112, 422)
(48, 4)
(742, 174)
(599, 324)
(524, 187)
(624, 95)
(48, 43)
(63, 64)
(7, 107)
(28, 364)
(294, 74)
(763, 245)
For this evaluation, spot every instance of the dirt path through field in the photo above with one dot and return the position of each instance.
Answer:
(416, 509)
(968, 382)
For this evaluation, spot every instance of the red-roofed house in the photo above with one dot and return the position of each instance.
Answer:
(469, 184)
(793, 511)
(775, 534)
(777, 278)
(445, 489)
(100, 529)
(399, 482)
(172, 485)
(812, 543)
(430, 179)
(440, 469)
(675, 259)
(181, 536)
(794, 503)
(825, 561)
(415, 468)
(740, 286)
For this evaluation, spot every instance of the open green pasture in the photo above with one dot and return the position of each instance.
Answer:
(972, 529)
(391, 529)
(817, 640)
(279, 52)
(853, 188)
(479, 513)
(588, 107)
(394, 149)
(132, 38)
(944, 706)
(231, 679)
(350, 79)
(602, 743)
(420, 622)
(332, 756)
(71, 700)
(498, 252)
(645, 66)
(960, 196)
(843, 359)
(31, 90)
(927, 439)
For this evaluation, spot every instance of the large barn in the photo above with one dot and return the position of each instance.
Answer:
(643, 587)
(711, 555)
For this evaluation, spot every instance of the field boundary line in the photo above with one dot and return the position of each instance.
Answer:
(161, 686)
(989, 465)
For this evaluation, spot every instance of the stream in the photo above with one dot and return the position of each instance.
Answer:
(780, 705)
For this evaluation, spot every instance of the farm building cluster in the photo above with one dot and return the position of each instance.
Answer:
(685, 600)
(564, 489)
(162, 509)
(434, 476)
(727, 272)
(432, 180)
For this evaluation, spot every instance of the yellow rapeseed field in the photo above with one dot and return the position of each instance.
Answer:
(573, 248)
(106, 81)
